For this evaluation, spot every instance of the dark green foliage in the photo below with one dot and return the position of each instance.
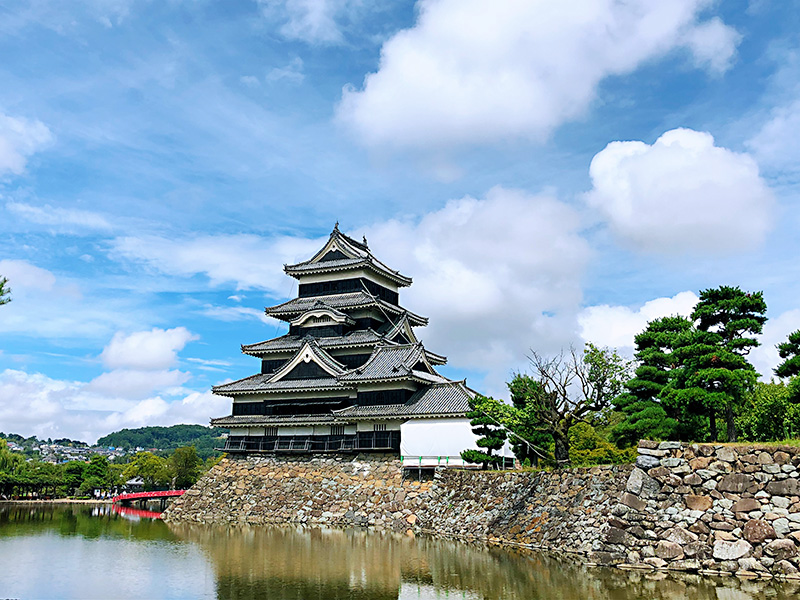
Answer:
(73, 476)
(204, 439)
(185, 466)
(587, 446)
(529, 435)
(492, 436)
(789, 351)
(154, 470)
(564, 390)
(645, 416)
(5, 291)
(769, 414)
(728, 319)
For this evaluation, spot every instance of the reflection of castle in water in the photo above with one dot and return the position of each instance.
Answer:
(285, 562)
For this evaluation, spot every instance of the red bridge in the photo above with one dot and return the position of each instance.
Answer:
(144, 497)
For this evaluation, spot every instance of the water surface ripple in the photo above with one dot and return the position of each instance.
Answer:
(85, 552)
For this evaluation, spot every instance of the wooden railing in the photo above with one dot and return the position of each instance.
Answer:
(382, 441)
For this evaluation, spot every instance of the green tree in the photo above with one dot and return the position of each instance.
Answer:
(152, 469)
(73, 475)
(769, 414)
(728, 319)
(491, 436)
(10, 462)
(789, 351)
(5, 291)
(645, 415)
(185, 466)
(562, 391)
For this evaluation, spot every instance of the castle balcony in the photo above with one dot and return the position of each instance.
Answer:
(365, 441)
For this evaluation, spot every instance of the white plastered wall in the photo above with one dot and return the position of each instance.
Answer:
(438, 442)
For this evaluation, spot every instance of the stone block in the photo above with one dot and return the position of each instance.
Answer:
(781, 458)
(731, 550)
(719, 466)
(784, 487)
(614, 535)
(672, 462)
(727, 454)
(781, 526)
(705, 450)
(669, 446)
(694, 502)
(701, 462)
(765, 458)
(781, 549)
(640, 483)
(656, 562)
(687, 564)
(784, 567)
(745, 505)
(649, 452)
(693, 479)
(607, 558)
(633, 502)
(734, 482)
(695, 550)
(668, 550)
(680, 536)
(647, 462)
(650, 444)
(756, 531)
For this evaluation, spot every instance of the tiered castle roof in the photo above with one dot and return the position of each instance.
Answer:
(349, 340)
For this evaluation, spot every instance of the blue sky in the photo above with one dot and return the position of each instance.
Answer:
(548, 173)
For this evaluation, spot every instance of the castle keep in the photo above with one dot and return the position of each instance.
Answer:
(350, 375)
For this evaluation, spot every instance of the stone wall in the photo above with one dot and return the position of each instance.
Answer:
(364, 491)
(711, 509)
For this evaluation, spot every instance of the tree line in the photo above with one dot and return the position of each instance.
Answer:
(690, 379)
(35, 478)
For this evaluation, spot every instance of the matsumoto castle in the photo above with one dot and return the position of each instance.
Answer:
(351, 375)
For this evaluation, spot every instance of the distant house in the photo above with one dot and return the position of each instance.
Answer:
(350, 375)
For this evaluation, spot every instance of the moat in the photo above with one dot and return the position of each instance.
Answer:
(84, 551)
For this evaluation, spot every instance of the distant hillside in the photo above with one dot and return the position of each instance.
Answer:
(204, 439)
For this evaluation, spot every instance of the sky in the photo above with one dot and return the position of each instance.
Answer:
(548, 173)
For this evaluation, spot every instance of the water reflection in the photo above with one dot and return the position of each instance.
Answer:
(294, 563)
(84, 551)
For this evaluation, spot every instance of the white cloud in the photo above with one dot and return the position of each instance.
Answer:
(713, 44)
(127, 383)
(19, 139)
(765, 357)
(80, 313)
(497, 276)
(64, 217)
(471, 71)
(24, 275)
(247, 261)
(34, 404)
(291, 73)
(313, 21)
(777, 144)
(146, 350)
(616, 326)
(239, 313)
(682, 194)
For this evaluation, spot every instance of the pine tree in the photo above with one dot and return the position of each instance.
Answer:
(789, 351)
(492, 437)
(5, 291)
(728, 319)
(645, 415)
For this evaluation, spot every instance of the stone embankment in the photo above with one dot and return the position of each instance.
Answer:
(701, 508)
(710, 508)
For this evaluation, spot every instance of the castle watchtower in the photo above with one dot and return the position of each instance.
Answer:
(350, 375)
